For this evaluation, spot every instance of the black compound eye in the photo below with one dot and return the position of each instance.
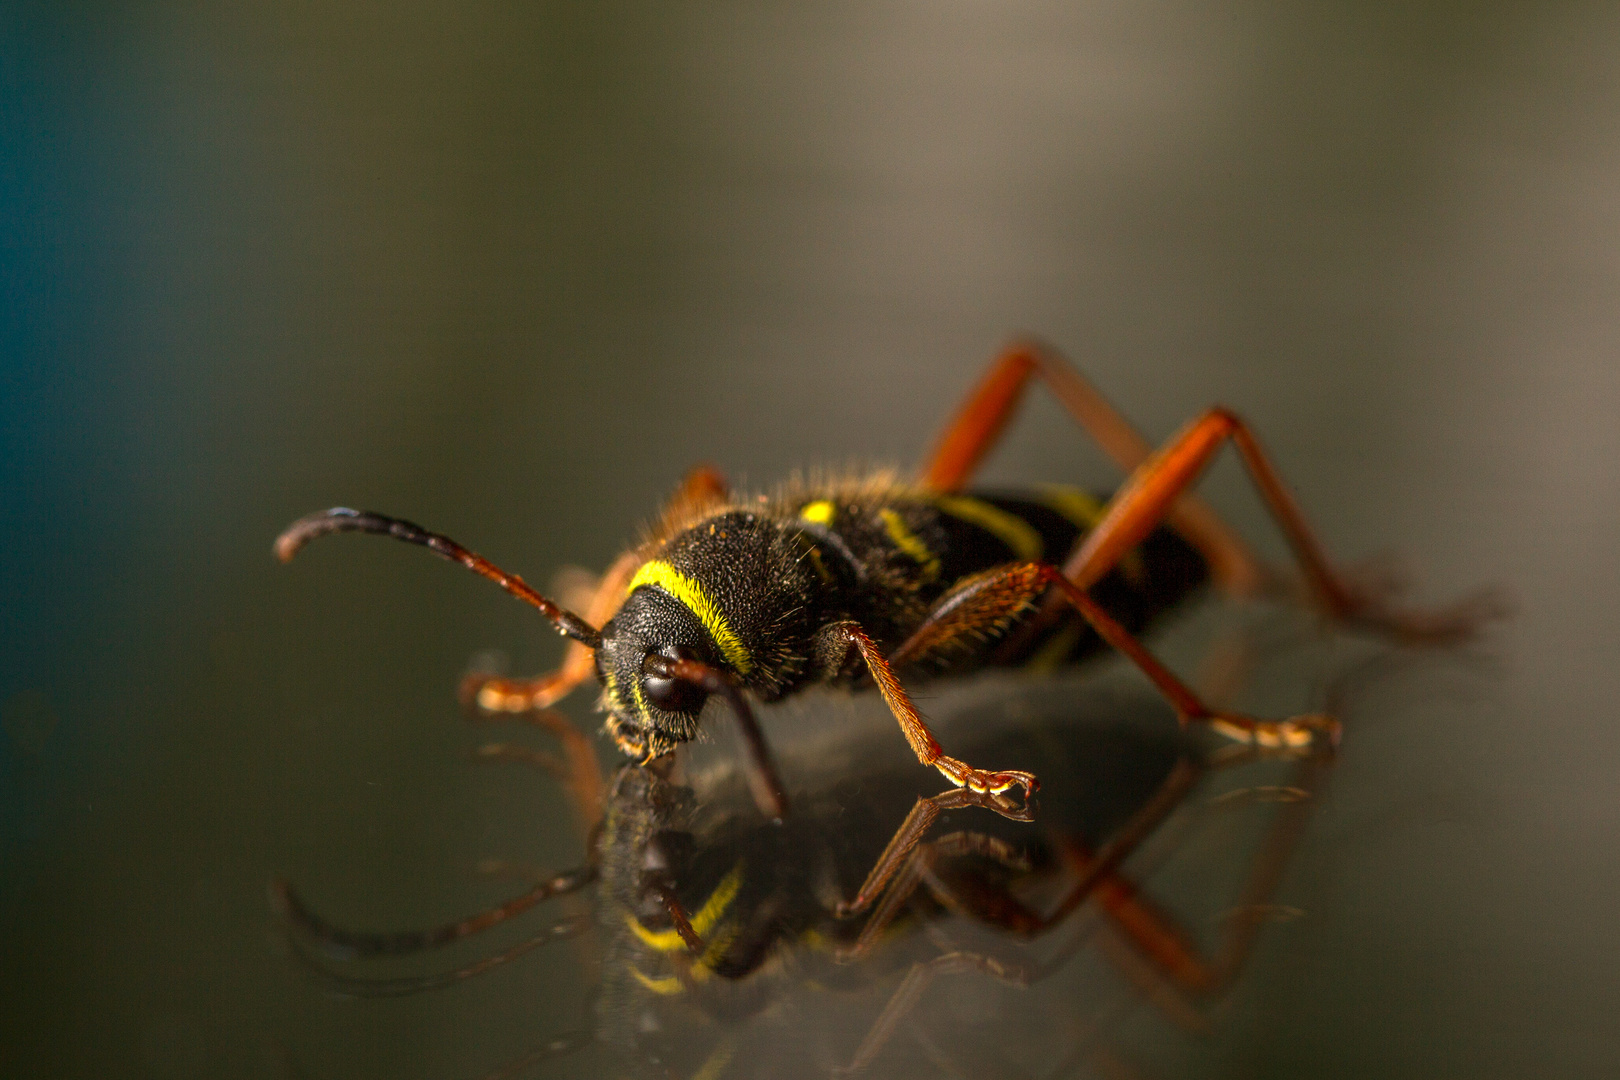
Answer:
(673, 695)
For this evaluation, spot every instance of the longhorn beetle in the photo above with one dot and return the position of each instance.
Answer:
(851, 580)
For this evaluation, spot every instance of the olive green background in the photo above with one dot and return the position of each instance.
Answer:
(508, 269)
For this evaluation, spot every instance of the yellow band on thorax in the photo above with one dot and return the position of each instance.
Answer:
(695, 600)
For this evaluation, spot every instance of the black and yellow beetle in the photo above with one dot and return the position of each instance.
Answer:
(849, 581)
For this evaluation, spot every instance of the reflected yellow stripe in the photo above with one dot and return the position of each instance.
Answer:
(703, 923)
(666, 987)
(717, 1061)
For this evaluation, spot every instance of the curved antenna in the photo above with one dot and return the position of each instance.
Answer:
(343, 944)
(368, 986)
(343, 519)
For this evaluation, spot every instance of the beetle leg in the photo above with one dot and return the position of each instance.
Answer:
(1147, 945)
(915, 728)
(497, 695)
(764, 780)
(977, 427)
(905, 997)
(703, 491)
(995, 594)
(1169, 951)
(1151, 493)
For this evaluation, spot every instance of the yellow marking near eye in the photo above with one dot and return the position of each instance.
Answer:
(1019, 535)
(708, 916)
(907, 542)
(692, 596)
(616, 701)
(1085, 512)
(610, 689)
(641, 699)
(821, 512)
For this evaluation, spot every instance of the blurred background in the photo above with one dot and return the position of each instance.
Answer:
(508, 270)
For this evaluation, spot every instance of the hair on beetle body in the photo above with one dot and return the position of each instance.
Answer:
(853, 581)
(765, 589)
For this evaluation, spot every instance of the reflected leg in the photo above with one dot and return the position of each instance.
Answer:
(1149, 948)
(577, 768)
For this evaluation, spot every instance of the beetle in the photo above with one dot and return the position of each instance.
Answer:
(851, 580)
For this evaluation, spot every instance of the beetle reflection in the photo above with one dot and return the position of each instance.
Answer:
(732, 946)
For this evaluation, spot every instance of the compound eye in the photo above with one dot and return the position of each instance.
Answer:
(674, 695)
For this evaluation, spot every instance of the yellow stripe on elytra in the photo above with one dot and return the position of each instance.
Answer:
(1086, 513)
(692, 596)
(820, 512)
(708, 916)
(1019, 535)
(907, 542)
(1080, 507)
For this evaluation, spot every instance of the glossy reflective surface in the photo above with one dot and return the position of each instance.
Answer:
(509, 273)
